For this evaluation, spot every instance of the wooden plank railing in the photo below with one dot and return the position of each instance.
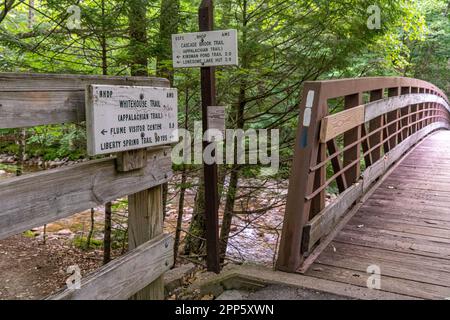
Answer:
(125, 275)
(359, 144)
(40, 198)
(28, 100)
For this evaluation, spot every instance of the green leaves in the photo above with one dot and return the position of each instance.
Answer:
(282, 44)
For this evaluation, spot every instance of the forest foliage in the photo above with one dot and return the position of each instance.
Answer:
(282, 44)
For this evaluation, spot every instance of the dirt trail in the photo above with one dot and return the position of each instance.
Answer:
(32, 270)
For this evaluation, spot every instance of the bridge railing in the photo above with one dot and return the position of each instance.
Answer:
(351, 132)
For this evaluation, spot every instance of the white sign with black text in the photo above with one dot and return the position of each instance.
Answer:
(122, 118)
(205, 49)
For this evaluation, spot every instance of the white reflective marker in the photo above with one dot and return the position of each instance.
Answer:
(308, 110)
(307, 117)
(310, 99)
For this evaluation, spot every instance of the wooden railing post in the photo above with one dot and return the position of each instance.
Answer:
(392, 118)
(420, 108)
(301, 183)
(414, 116)
(145, 218)
(430, 112)
(404, 112)
(375, 124)
(351, 136)
(433, 106)
(427, 111)
(145, 223)
(435, 112)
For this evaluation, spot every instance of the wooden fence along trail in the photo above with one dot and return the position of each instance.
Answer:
(36, 199)
(392, 172)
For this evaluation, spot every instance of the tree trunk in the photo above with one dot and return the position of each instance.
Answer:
(176, 245)
(103, 43)
(195, 240)
(168, 25)
(145, 218)
(238, 119)
(165, 195)
(183, 186)
(91, 230)
(6, 6)
(137, 19)
(107, 234)
(44, 236)
(228, 212)
(227, 13)
(31, 14)
(108, 206)
(234, 179)
(22, 141)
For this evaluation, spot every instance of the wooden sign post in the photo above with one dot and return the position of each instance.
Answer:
(208, 84)
(126, 120)
(207, 49)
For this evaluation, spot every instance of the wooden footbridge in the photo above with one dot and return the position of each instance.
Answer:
(388, 154)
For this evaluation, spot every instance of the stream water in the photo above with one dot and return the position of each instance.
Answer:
(253, 237)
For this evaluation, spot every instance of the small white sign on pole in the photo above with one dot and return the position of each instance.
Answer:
(205, 49)
(122, 118)
(216, 120)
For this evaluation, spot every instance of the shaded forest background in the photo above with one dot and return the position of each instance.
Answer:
(282, 44)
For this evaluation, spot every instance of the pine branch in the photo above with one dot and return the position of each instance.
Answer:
(7, 6)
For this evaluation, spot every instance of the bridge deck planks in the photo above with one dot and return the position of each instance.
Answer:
(404, 228)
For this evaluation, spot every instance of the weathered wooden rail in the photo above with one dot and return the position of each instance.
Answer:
(33, 200)
(382, 118)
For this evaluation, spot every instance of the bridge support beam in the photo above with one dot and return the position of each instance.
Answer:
(302, 181)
